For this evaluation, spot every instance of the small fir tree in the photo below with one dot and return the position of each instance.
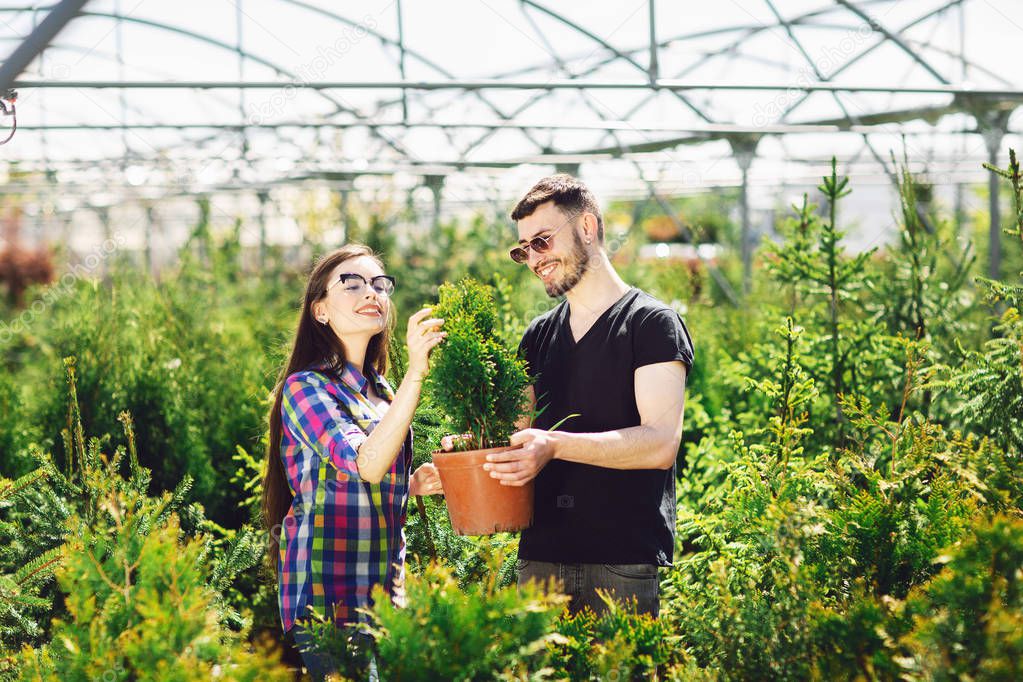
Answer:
(475, 379)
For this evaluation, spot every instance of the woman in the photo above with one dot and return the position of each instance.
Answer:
(340, 456)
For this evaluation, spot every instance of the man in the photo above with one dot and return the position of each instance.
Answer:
(618, 358)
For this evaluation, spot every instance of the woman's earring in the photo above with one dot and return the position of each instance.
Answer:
(322, 320)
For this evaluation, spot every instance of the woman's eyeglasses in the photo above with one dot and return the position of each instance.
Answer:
(355, 284)
(520, 254)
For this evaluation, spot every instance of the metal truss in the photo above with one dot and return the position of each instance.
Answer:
(672, 97)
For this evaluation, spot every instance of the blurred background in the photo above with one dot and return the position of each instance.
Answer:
(141, 117)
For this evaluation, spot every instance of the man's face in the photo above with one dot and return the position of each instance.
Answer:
(562, 266)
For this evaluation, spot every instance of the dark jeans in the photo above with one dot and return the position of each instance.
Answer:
(581, 582)
(319, 664)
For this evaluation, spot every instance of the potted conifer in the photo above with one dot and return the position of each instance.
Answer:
(479, 383)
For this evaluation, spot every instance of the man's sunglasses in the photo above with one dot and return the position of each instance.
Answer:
(520, 254)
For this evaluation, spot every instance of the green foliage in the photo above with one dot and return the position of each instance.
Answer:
(175, 354)
(143, 598)
(479, 632)
(475, 379)
(850, 509)
(811, 559)
(968, 621)
(815, 264)
(921, 291)
(990, 384)
(619, 644)
(991, 379)
(1005, 291)
(24, 571)
(16, 432)
(139, 607)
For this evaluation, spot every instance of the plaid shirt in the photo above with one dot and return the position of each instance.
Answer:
(342, 535)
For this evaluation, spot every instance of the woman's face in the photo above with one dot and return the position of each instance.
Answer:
(352, 307)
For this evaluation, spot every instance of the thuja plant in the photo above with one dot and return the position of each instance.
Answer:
(1012, 293)
(991, 380)
(475, 379)
(773, 398)
(922, 293)
(619, 644)
(34, 511)
(968, 621)
(431, 536)
(919, 290)
(24, 573)
(139, 605)
(814, 559)
(819, 272)
(479, 631)
(92, 519)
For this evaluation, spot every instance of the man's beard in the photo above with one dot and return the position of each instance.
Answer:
(575, 267)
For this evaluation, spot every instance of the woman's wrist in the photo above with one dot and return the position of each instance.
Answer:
(415, 375)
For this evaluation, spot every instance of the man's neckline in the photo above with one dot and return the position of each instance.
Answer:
(597, 320)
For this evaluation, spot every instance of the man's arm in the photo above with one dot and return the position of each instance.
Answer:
(660, 398)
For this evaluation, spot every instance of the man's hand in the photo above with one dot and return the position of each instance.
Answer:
(425, 481)
(520, 466)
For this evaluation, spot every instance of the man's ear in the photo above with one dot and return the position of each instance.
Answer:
(589, 228)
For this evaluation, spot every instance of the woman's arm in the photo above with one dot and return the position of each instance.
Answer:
(378, 452)
(311, 415)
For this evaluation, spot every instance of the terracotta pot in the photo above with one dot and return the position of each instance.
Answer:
(477, 503)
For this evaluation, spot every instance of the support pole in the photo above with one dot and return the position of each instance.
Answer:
(435, 183)
(993, 141)
(654, 68)
(567, 168)
(346, 222)
(744, 147)
(993, 123)
(263, 197)
(401, 62)
(103, 212)
(150, 227)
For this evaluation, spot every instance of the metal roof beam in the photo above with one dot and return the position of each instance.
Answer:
(37, 40)
(663, 84)
(877, 27)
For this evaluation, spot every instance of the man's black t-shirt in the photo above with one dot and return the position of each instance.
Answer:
(590, 514)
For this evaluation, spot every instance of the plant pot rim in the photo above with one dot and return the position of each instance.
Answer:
(451, 458)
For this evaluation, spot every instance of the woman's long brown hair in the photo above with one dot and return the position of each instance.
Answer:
(314, 343)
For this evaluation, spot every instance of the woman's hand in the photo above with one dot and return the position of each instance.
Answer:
(447, 443)
(422, 336)
(425, 481)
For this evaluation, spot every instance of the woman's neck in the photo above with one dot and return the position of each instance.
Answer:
(355, 352)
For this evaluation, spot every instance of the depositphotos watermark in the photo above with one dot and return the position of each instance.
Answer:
(60, 288)
(312, 71)
(831, 58)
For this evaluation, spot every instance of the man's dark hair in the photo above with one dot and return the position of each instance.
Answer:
(568, 193)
